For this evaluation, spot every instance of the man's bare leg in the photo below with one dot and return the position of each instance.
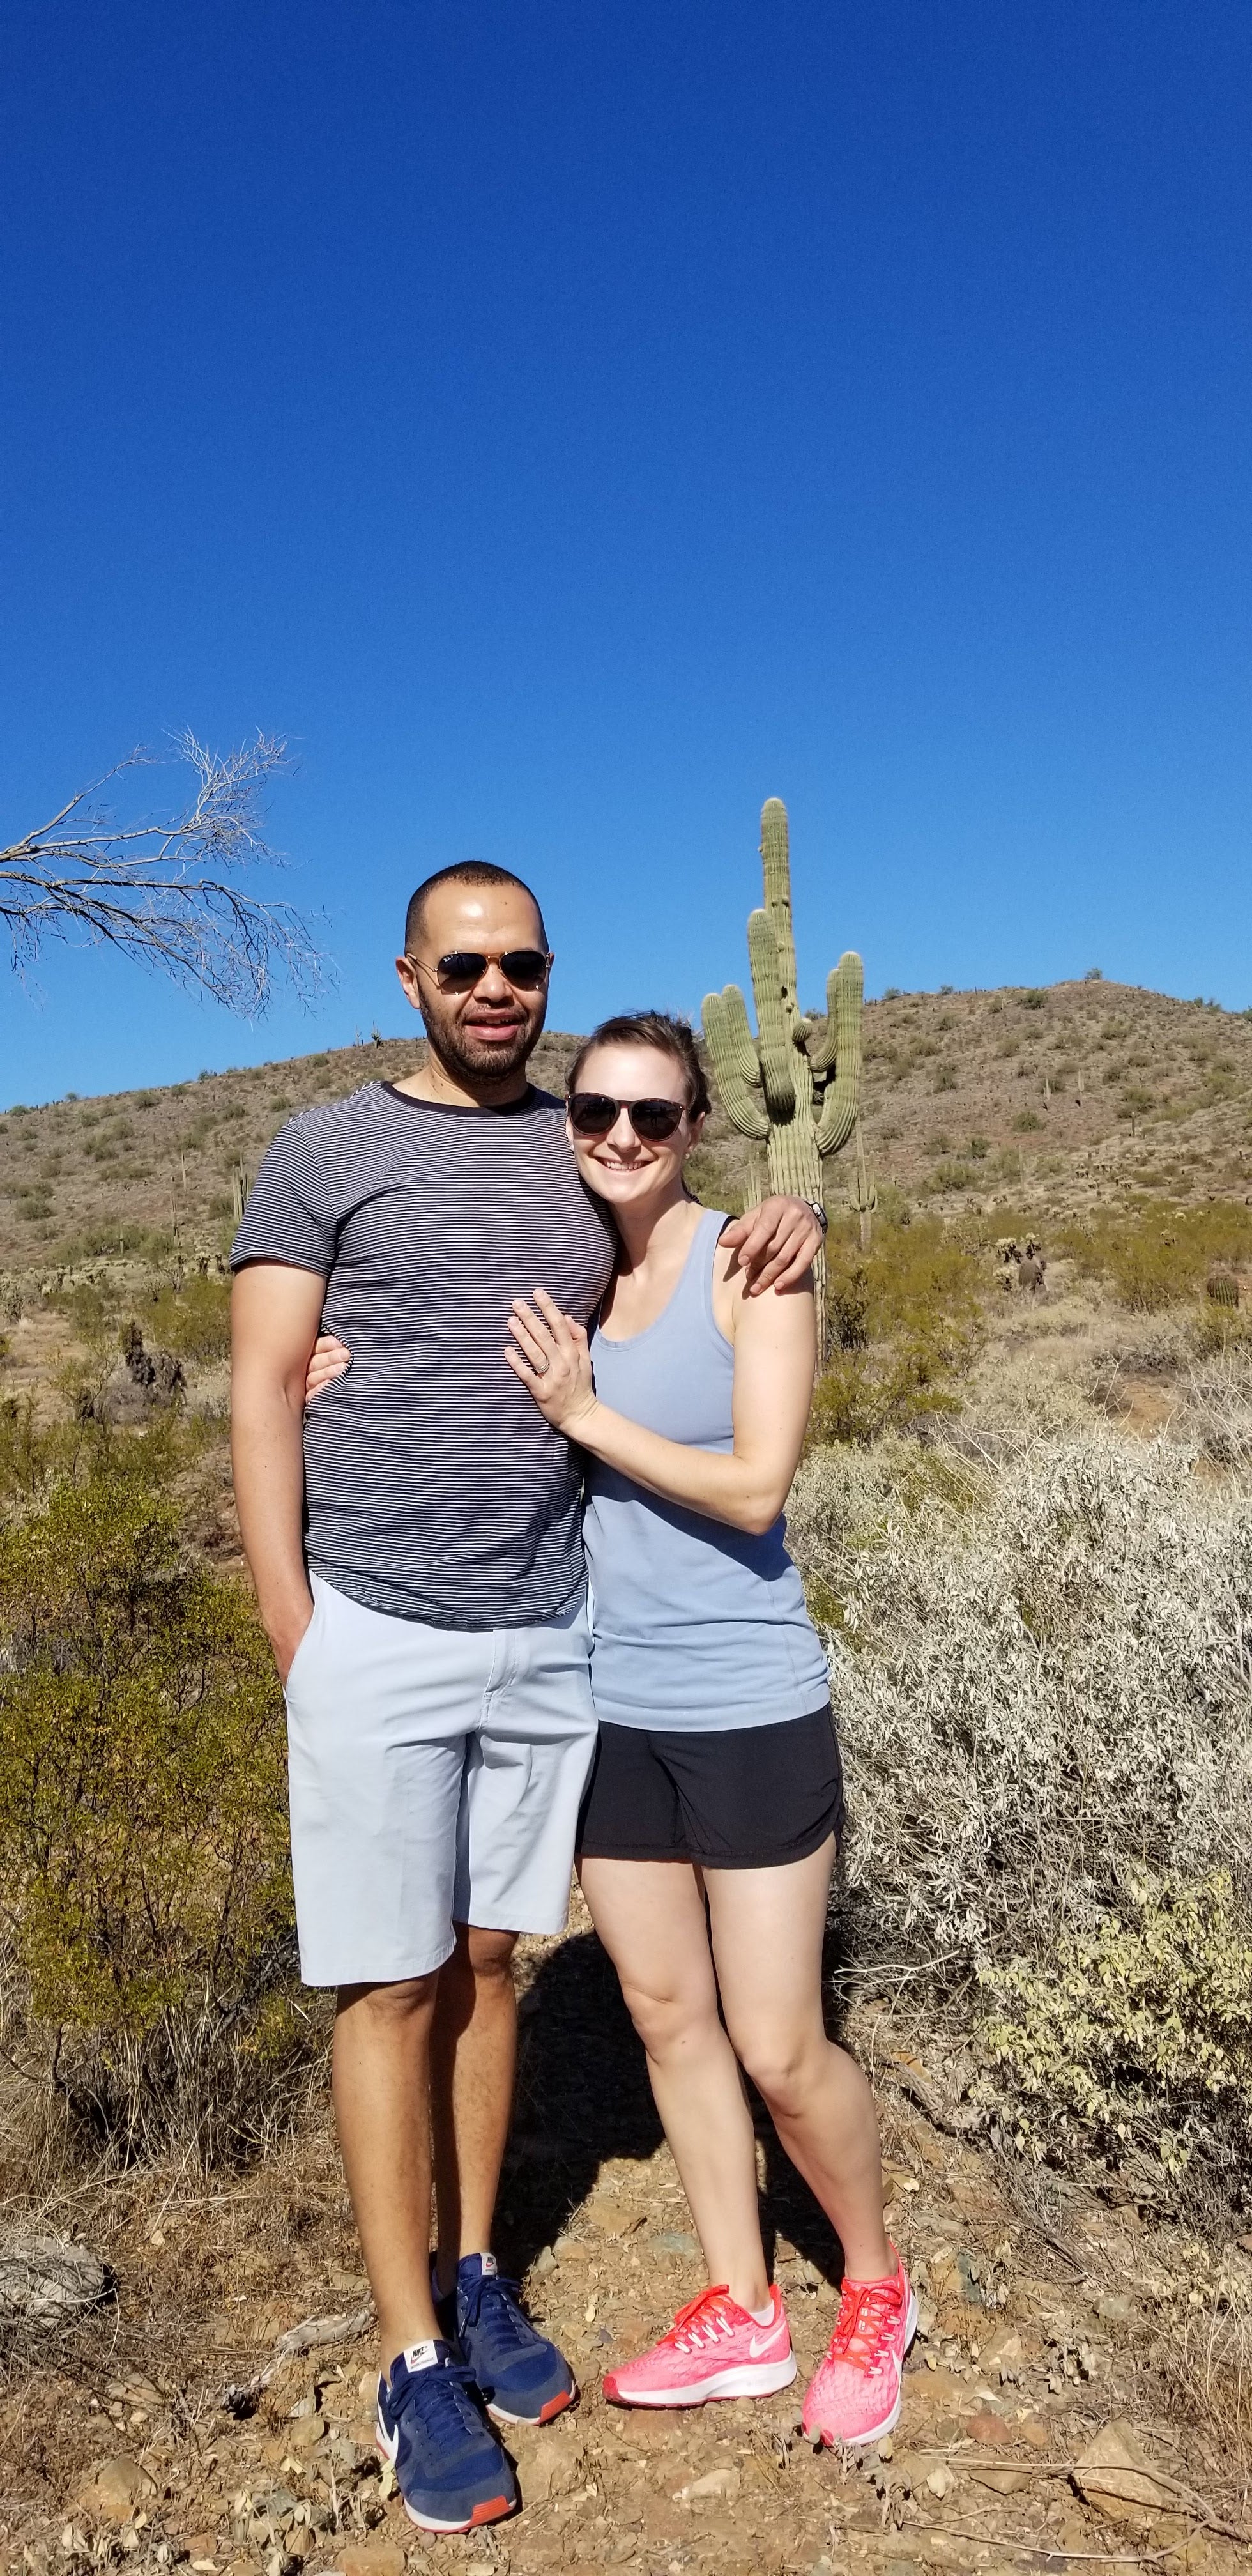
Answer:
(473, 2063)
(381, 2084)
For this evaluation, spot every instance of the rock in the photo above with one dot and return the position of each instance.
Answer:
(544, 2262)
(305, 2434)
(676, 2241)
(989, 2429)
(277, 2505)
(370, 2558)
(1114, 2475)
(1114, 2308)
(115, 2489)
(1003, 2356)
(954, 2279)
(612, 2217)
(1003, 2481)
(720, 2486)
(45, 2279)
(940, 2482)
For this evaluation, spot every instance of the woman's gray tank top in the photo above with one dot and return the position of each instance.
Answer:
(695, 1626)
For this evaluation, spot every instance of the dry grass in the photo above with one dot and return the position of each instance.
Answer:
(1041, 1661)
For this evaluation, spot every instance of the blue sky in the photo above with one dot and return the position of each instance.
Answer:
(572, 425)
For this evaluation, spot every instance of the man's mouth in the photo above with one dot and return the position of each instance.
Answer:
(493, 1031)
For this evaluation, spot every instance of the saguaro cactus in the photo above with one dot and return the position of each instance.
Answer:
(794, 1088)
(865, 1193)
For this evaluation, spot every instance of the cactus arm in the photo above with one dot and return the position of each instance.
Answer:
(774, 1039)
(844, 993)
(736, 1033)
(725, 1033)
(823, 1049)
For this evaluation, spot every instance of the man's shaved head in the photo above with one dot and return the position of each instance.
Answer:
(474, 872)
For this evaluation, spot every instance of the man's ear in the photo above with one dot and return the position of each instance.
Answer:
(407, 973)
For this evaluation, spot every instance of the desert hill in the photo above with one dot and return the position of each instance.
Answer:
(1044, 1100)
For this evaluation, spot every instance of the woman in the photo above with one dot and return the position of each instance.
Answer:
(709, 1831)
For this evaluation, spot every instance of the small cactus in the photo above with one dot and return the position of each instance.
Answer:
(865, 1193)
(1223, 1287)
(240, 1191)
(794, 1089)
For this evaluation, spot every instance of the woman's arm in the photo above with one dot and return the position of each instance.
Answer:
(775, 1351)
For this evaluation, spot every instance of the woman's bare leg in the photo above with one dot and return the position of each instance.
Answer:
(650, 1917)
(767, 1927)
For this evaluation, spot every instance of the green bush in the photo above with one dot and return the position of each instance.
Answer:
(904, 1324)
(1138, 2032)
(194, 1320)
(144, 1875)
(1160, 1255)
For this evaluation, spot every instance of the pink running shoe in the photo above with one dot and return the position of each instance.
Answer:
(712, 2349)
(855, 2393)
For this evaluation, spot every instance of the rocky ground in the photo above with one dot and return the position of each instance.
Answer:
(1056, 2332)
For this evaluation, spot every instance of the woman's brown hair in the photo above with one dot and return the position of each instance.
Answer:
(660, 1029)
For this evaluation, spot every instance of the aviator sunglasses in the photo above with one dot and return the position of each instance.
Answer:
(592, 1113)
(525, 968)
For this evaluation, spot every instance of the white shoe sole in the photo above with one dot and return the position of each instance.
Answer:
(879, 2432)
(743, 2379)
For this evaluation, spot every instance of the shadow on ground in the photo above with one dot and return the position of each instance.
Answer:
(583, 2100)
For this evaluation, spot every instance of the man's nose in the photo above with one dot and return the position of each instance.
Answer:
(492, 985)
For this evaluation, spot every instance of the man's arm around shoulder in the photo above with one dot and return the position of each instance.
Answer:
(275, 1313)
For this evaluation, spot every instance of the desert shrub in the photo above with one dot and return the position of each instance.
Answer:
(1138, 2029)
(193, 1320)
(145, 1891)
(1042, 1687)
(1159, 1255)
(904, 1325)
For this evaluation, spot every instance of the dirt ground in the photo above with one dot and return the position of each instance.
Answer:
(1044, 2321)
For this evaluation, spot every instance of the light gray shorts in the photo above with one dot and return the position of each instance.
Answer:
(436, 1776)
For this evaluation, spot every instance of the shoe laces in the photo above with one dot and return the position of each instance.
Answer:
(444, 2389)
(703, 2320)
(868, 2314)
(504, 2320)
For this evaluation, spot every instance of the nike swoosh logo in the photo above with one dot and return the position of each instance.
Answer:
(759, 2344)
(390, 2442)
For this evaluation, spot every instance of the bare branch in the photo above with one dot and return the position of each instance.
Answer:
(160, 890)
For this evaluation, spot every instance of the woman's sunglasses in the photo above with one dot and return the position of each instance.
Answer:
(462, 968)
(592, 1113)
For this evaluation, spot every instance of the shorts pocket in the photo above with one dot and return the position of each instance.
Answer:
(297, 1659)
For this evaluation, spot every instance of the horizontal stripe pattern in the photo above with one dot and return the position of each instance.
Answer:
(434, 1489)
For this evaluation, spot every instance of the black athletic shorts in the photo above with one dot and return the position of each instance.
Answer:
(744, 1797)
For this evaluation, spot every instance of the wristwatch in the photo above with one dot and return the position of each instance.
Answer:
(820, 1214)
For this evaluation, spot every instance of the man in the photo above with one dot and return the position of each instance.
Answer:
(416, 1550)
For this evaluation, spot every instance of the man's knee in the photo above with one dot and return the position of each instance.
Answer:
(393, 2007)
(486, 1955)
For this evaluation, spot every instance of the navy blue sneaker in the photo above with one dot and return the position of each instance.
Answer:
(450, 2469)
(522, 2377)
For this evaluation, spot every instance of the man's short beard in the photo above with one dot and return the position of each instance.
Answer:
(481, 1062)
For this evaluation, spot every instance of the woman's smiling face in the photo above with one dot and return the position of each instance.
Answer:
(622, 1167)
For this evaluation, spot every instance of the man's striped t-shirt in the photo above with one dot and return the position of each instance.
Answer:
(434, 1489)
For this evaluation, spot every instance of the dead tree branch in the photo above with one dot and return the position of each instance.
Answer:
(163, 891)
